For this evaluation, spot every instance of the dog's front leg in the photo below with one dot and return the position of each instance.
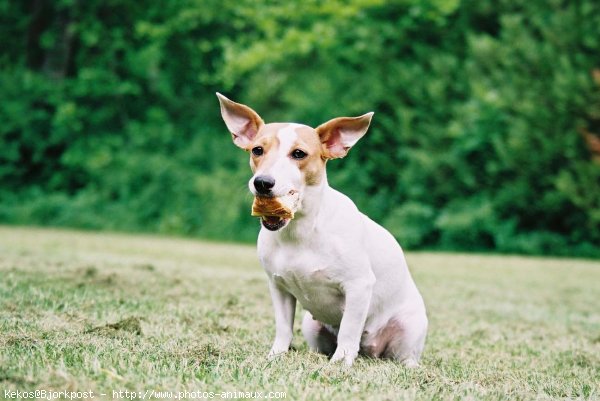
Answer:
(284, 305)
(358, 297)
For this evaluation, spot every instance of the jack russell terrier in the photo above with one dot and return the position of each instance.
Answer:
(348, 272)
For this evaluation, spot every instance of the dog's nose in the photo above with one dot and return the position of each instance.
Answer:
(264, 184)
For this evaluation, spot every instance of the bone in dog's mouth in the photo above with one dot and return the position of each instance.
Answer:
(275, 212)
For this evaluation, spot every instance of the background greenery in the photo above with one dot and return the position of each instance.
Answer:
(485, 135)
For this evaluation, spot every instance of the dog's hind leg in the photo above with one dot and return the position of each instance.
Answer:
(318, 336)
(408, 346)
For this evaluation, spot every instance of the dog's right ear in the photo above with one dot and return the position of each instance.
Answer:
(340, 134)
(241, 120)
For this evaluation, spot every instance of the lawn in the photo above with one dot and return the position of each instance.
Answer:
(103, 312)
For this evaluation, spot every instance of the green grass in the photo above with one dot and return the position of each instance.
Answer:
(84, 311)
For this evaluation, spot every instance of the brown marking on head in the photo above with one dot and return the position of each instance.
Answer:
(313, 165)
(330, 140)
(267, 139)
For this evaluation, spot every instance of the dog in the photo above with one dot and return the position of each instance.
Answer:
(347, 272)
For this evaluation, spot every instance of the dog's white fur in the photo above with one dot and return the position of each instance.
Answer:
(348, 272)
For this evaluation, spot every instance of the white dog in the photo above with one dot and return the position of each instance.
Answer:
(348, 272)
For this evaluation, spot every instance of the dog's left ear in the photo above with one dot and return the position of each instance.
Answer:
(241, 120)
(340, 134)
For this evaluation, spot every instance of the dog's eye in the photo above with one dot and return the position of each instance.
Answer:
(257, 151)
(299, 154)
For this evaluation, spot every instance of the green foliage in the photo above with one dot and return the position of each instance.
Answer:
(412, 223)
(110, 120)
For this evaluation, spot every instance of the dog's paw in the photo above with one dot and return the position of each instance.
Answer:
(276, 351)
(344, 356)
(410, 363)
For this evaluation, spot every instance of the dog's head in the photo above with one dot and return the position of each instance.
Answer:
(288, 158)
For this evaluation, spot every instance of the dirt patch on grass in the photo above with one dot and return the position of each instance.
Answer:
(145, 266)
(129, 325)
(14, 340)
(12, 378)
(203, 356)
(89, 271)
(92, 275)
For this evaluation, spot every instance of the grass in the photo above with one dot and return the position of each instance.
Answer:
(85, 311)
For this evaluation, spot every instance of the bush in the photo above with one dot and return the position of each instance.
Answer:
(412, 223)
(483, 139)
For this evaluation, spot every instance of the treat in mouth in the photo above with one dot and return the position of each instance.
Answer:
(275, 212)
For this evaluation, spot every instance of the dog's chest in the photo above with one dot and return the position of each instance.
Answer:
(310, 276)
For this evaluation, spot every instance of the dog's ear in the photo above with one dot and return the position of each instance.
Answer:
(241, 120)
(340, 134)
